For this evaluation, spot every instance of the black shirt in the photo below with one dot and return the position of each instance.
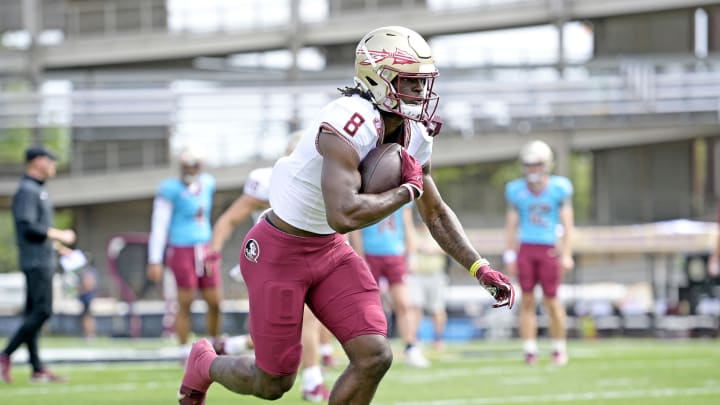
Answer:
(33, 214)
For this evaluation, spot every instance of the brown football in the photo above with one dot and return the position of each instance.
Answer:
(381, 170)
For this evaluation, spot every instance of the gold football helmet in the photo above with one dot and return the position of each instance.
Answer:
(191, 155)
(389, 54)
(536, 153)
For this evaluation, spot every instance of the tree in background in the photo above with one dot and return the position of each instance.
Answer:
(8, 250)
(13, 141)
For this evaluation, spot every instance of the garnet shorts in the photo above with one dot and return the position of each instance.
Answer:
(283, 272)
(393, 268)
(186, 263)
(538, 264)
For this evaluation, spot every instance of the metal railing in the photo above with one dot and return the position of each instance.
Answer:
(88, 19)
(110, 18)
(240, 121)
(121, 101)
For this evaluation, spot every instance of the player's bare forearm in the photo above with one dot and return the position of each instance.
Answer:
(223, 229)
(511, 226)
(361, 210)
(567, 218)
(239, 211)
(221, 232)
(566, 246)
(410, 234)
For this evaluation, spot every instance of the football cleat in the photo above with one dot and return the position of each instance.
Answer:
(415, 358)
(189, 396)
(531, 359)
(559, 358)
(5, 368)
(196, 380)
(318, 394)
(46, 376)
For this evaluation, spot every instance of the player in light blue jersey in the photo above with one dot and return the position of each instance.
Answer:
(180, 234)
(539, 210)
(386, 247)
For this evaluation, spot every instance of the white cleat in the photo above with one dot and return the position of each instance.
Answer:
(559, 358)
(415, 358)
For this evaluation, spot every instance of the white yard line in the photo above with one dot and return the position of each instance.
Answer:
(413, 376)
(573, 397)
(63, 389)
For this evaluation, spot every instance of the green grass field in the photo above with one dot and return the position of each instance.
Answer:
(617, 371)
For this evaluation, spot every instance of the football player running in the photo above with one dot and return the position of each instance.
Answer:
(537, 203)
(251, 203)
(298, 255)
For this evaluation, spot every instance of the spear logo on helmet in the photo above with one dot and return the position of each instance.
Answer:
(399, 56)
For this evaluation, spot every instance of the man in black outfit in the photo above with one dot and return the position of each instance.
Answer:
(33, 214)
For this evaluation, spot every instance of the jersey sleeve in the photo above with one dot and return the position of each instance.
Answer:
(353, 118)
(564, 187)
(210, 181)
(258, 184)
(159, 229)
(167, 190)
(510, 192)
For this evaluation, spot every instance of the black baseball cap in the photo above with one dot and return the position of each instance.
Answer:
(36, 152)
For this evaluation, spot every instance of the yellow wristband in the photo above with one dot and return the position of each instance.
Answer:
(476, 266)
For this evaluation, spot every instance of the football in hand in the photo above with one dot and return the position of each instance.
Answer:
(381, 170)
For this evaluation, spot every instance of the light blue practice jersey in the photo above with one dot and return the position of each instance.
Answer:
(539, 213)
(385, 238)
(190, 221)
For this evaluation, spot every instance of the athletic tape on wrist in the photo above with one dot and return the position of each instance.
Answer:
(410, 190)
(477, 265)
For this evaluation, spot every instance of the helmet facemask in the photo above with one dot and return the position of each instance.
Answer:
(533, 176)
(191, 162)
(412, 105)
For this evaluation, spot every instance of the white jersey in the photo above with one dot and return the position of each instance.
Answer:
(295, 188)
